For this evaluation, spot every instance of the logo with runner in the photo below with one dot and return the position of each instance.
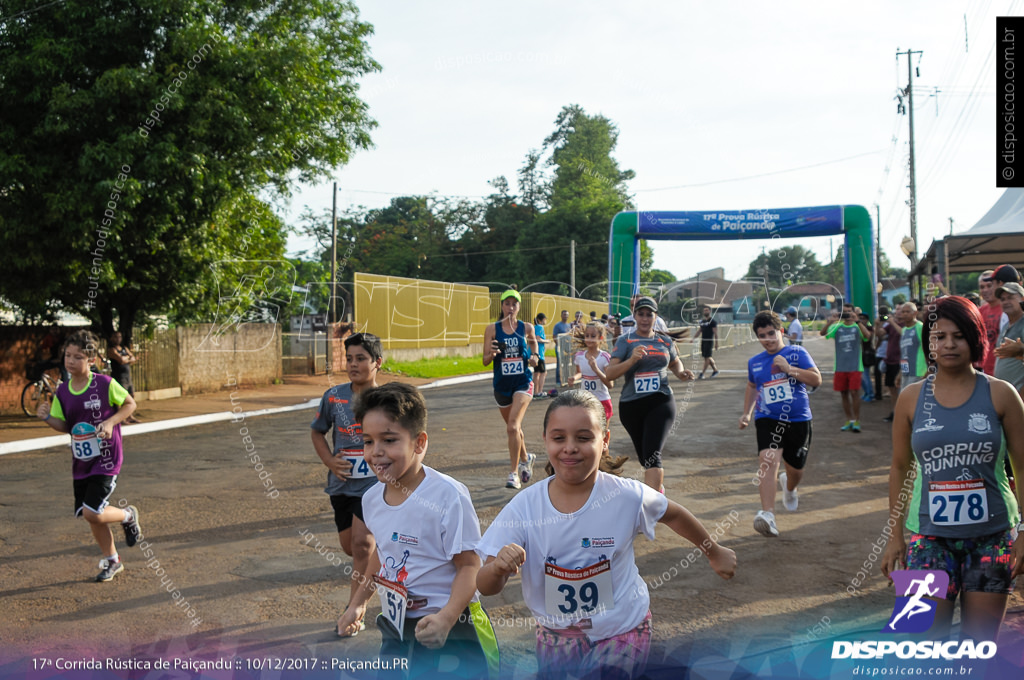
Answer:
(912, 613)
(978, 423)
(929, 426)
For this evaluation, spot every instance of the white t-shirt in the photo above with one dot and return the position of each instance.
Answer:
(592, 383)
(573, 560)
(417, 540)
(796, 331)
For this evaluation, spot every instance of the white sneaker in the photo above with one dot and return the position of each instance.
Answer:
(764, 524)
(513, 481)
(526, 469)
(790, 499)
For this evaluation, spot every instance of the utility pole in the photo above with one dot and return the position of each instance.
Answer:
(334, 278)
(950, 226)
(572, 267)
(913, 181)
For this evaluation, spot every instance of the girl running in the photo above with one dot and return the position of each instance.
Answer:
(540, 372)
(646, 406)
(590, 361)
(958, 424)
(512, 346)
(591, 604)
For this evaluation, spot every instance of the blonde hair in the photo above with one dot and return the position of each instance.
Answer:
(579, 333)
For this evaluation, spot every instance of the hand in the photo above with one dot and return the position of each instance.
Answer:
(780, 363)
(105, 430)
(639, 352)
(495, 347)
(432, 631)
(341, 468)
(1010, 348)
(834, 316)
(348, 623)
(723, 561)
(593, 362)
(744, 421)
(895, 555)
(43, 410)
(687, 374)
(572, 381)
(511, 557)
(533, 360)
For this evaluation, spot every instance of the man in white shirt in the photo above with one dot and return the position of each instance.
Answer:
(795, 331)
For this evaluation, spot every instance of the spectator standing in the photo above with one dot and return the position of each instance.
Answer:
(560, 328)
(868, 355)
(795, 330)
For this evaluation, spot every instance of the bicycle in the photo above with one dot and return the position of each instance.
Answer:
(44, 389)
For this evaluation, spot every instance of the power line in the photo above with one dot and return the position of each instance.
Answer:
(519, 250)
(33, 10)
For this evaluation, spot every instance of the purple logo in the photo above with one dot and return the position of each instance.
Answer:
(912, 613)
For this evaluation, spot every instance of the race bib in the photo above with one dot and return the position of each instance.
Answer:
(645, 383)
(775, 391)
(905, 366)
(85, 445)
(394, 600)
(513, 366)
(590, 385)
(360, 469)
(958, 502)
(578, 593)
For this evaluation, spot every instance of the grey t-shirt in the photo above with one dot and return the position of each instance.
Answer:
(335, 414)
(1011, 370)
(848, 354)
(650, 374)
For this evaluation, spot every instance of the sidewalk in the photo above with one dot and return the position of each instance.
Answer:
(296, 392)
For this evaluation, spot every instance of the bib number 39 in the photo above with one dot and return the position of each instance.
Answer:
(578, 592)
(958, 502)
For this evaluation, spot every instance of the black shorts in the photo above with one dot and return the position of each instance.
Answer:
(706, 346)
(794, 439)
(93, 493)
(891, 371)
(542, 366)
(345, 508)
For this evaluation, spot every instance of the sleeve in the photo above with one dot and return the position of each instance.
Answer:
(508, 527)
(832, 331)
(603, 359)
(55, 409)
(116, 394)
(673, 354)
(750, 373)
(460, 528)
(652, 508)
(322, 422)
(621, 351)
(805, 360)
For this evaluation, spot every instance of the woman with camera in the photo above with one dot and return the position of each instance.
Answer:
(512, 346)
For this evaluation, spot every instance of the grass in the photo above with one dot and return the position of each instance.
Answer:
(442, 367)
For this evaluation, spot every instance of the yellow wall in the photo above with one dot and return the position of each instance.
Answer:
(552, 306)
(410, 313)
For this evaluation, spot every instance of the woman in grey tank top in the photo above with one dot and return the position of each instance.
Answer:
(958, 426)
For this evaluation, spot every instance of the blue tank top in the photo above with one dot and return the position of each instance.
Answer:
(961, 489)
(512, 366)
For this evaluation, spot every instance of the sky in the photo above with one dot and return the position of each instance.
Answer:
(720, 106)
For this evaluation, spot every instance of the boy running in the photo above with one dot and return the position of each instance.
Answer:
(349, 476)
(777, 381)
(91, 406)
(425, 562)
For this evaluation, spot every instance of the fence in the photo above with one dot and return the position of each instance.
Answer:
(303, 353)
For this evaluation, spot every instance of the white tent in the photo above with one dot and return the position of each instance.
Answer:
(997, 238)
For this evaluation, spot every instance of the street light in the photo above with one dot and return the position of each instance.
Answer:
(907, 246)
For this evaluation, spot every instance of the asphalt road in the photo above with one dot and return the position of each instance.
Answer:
(244, 557)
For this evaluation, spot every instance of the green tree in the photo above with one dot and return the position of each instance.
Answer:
(786, 266)
(144, 143)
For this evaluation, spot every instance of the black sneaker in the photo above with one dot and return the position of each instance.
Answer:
(131, 529)
(109, 570)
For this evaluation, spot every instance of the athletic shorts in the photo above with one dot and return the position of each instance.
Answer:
(607, 403)
(793, 438)
(541, 367)
(503, 399)
(843, 381)
(93, 493)
(891, 371)
(706, 346)
(471, 650)
(974, 565)
(345, 508)
(622, 656)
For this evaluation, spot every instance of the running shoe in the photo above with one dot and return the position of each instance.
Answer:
(513, 481)
(856, 426)
(714, 373)
(109, 570)
(526, 469)
(764, 524)
(131, 529)
(790, 499)
(888, 418)
(848, 426)
(700, 377)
